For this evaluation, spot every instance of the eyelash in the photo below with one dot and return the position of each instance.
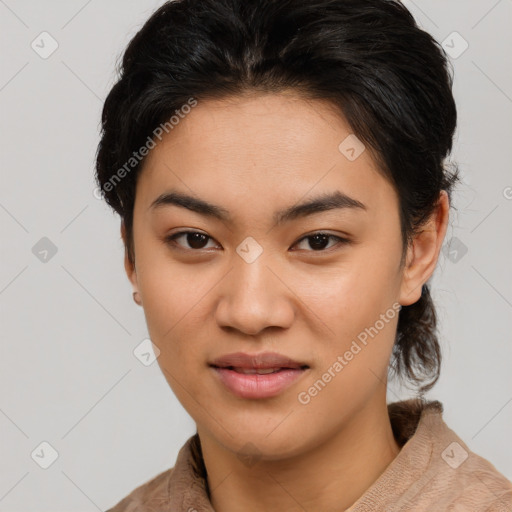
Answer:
(171, 240)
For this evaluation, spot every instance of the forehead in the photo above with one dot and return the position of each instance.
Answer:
(258, 128)
(271, 147)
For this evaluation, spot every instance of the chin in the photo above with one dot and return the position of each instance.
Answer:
(261, 438)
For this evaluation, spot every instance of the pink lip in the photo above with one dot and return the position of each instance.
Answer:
(257, 385)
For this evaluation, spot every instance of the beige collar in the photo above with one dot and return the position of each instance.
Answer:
(414, 423)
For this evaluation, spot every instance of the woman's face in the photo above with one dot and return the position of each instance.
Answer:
(256, 280)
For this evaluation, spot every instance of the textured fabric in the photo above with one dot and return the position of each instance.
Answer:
(434, 471)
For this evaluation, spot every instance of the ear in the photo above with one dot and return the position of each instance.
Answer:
(423, 252)
(128, 265)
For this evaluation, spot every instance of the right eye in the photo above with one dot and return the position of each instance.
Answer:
(195, 239)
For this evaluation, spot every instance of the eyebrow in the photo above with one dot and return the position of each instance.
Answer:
(322, 203)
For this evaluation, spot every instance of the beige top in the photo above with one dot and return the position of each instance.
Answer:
(434, 471)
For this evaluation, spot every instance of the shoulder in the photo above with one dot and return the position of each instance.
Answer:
(460, 478)
(149, 496)
(435, 467)
(169, 489)
(476, 484)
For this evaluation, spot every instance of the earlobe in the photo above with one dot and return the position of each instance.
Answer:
(423, 252)
(136, 298)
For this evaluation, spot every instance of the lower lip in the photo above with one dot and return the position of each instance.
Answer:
(257, 385)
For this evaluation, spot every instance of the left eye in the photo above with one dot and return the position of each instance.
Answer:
(197, 241)
(318, 241)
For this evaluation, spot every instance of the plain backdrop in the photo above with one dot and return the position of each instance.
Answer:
(69, 378)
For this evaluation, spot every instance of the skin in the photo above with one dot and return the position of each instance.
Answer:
(254, 155)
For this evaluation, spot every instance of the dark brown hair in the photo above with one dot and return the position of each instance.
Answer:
(368, 58)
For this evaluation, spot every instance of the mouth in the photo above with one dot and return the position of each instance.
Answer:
(257, 376)
(257, 371)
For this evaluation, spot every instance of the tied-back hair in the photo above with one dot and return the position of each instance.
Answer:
(387, 77)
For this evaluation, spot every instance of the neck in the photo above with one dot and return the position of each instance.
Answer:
(329, 478)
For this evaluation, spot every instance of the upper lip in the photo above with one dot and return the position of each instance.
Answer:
(258, 361)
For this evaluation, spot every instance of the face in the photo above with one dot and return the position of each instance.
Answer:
(296, 253)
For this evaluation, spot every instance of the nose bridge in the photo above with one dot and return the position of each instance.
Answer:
(252, 297)
(251, 274)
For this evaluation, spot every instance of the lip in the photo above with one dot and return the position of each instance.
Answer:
(254, 385)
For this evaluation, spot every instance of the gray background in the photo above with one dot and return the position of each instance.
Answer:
(69, 326)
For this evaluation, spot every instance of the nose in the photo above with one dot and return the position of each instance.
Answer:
(254, 297)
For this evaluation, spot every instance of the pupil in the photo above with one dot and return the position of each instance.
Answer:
(323, 240)
(196, 240)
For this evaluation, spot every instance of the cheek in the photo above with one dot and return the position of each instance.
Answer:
(349, 296)
(167, 293)
(167, 287)
(356, 302)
